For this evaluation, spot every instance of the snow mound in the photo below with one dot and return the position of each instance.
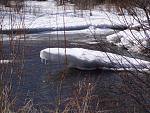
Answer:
(90, 59)
(131, 39)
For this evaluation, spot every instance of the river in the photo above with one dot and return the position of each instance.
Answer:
(40, 82)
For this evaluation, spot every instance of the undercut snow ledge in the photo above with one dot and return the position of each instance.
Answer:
(89, 59)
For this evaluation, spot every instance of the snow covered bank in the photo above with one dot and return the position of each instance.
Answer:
(72, 29)
(89, 59)
(46, 23)
(47, 16)
(133, 40)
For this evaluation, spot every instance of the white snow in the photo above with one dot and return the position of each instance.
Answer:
(48, 15)
(59, 22)
(131, 39)
(90, 59)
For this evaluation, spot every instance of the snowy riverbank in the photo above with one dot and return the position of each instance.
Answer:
(46, 16)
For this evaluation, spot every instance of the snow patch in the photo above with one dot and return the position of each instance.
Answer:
(131, 39)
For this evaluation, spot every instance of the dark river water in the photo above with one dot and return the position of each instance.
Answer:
(41, 82)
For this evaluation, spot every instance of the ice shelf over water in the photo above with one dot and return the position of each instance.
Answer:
(90, 59)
